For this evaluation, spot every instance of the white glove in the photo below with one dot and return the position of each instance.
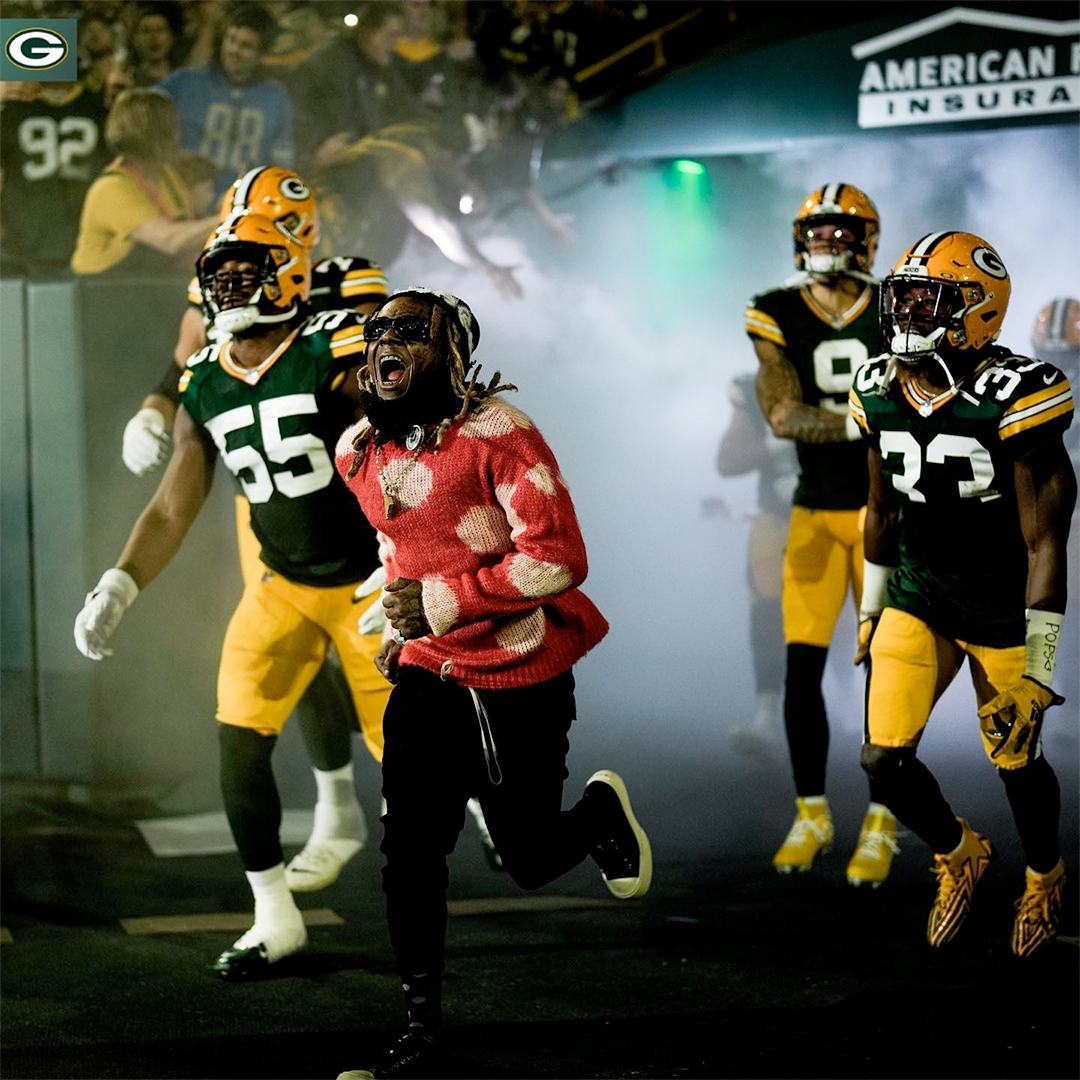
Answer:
(146, 442)
(102, 611)
(374, 617)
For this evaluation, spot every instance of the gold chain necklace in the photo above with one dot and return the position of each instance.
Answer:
(414, 441)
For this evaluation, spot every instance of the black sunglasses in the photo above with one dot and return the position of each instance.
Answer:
(406, 327)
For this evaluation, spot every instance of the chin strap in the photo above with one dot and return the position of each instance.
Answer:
(805, 277)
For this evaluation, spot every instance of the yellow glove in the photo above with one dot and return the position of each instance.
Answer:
(867, 626)
(1010, 724)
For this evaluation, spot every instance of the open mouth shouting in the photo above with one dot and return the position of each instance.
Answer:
(392, 371)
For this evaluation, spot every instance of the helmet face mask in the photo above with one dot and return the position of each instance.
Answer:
(269, 283)
(844, 222)
(947, 296)
(921, 312)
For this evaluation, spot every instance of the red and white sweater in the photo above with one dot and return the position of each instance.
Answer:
(487, 526)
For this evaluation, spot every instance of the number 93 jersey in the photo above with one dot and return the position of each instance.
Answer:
(275, 427)
(963, 559)
(825, 352)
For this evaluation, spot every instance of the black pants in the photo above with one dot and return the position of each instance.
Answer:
(434, 760)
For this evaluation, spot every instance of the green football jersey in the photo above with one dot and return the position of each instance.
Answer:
(825, 353)
(275, 427)
(963, 559)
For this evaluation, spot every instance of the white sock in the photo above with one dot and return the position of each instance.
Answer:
(279, 923)
(815, 800)
(880, 808)
(273, 900)
(338, 815)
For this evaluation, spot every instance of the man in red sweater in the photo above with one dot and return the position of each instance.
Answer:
(483, 557)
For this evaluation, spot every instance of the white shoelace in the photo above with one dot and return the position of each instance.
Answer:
(819, 828)
(873, 845)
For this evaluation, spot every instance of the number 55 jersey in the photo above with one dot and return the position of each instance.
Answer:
(275, 427)
(950, 461)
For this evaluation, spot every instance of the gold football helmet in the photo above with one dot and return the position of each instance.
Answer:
(948, 293)
(276, 289)
(280, 195)
(844, 208)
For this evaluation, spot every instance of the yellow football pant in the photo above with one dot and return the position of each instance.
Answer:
(910, 667)
(823, 559)
(278, 638)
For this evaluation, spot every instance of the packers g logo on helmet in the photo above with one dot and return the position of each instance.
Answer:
(280, 195)
(963, 289)
(849, 208)
(292, 187)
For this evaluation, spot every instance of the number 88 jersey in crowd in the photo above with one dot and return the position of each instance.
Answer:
(275, 427)
(949, 460)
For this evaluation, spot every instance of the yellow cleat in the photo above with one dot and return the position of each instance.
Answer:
(1038, 911)
(958, 873)
(872, 861)
(811, 835)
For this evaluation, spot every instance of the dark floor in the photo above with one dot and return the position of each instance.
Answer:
(724, 970)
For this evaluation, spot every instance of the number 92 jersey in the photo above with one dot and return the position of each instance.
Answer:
(825, 353)
(963, 560)
(275, 427)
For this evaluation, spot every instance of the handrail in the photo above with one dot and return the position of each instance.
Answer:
(654, 37)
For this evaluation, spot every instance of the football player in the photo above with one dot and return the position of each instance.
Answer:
(747, 446)
(810, 337)
(971, 491)
(325, 714)
(269, 400)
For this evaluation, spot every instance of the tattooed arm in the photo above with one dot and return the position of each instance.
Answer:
(780, 397)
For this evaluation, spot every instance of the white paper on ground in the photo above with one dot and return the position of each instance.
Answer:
(208, 834)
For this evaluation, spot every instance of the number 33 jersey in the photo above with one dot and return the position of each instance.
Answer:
(825, 353)
(963, 559)
(275, 427)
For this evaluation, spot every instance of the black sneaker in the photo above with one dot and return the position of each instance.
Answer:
(622, 850)
(415, 1054)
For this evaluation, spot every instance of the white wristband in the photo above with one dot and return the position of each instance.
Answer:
(1040, 644)
(875, 579)
(852, 431)
(121, 584)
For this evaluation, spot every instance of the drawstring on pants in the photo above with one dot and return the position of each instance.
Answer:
(491, 758)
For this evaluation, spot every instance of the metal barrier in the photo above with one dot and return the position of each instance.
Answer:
(76, 358)
(654, 38)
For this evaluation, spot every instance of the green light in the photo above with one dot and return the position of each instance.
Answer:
(690, 168)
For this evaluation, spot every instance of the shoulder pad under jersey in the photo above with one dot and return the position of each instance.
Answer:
(1030, 393)
(198, 357)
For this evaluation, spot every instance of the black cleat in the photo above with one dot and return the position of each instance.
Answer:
(237, 964)
(623, 850)
(415, 1054)
(251, 955)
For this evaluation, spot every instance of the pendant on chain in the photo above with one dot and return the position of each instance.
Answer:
(414, 438)
(389, 505)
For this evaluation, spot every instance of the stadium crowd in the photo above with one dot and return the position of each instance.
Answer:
(416, 115)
